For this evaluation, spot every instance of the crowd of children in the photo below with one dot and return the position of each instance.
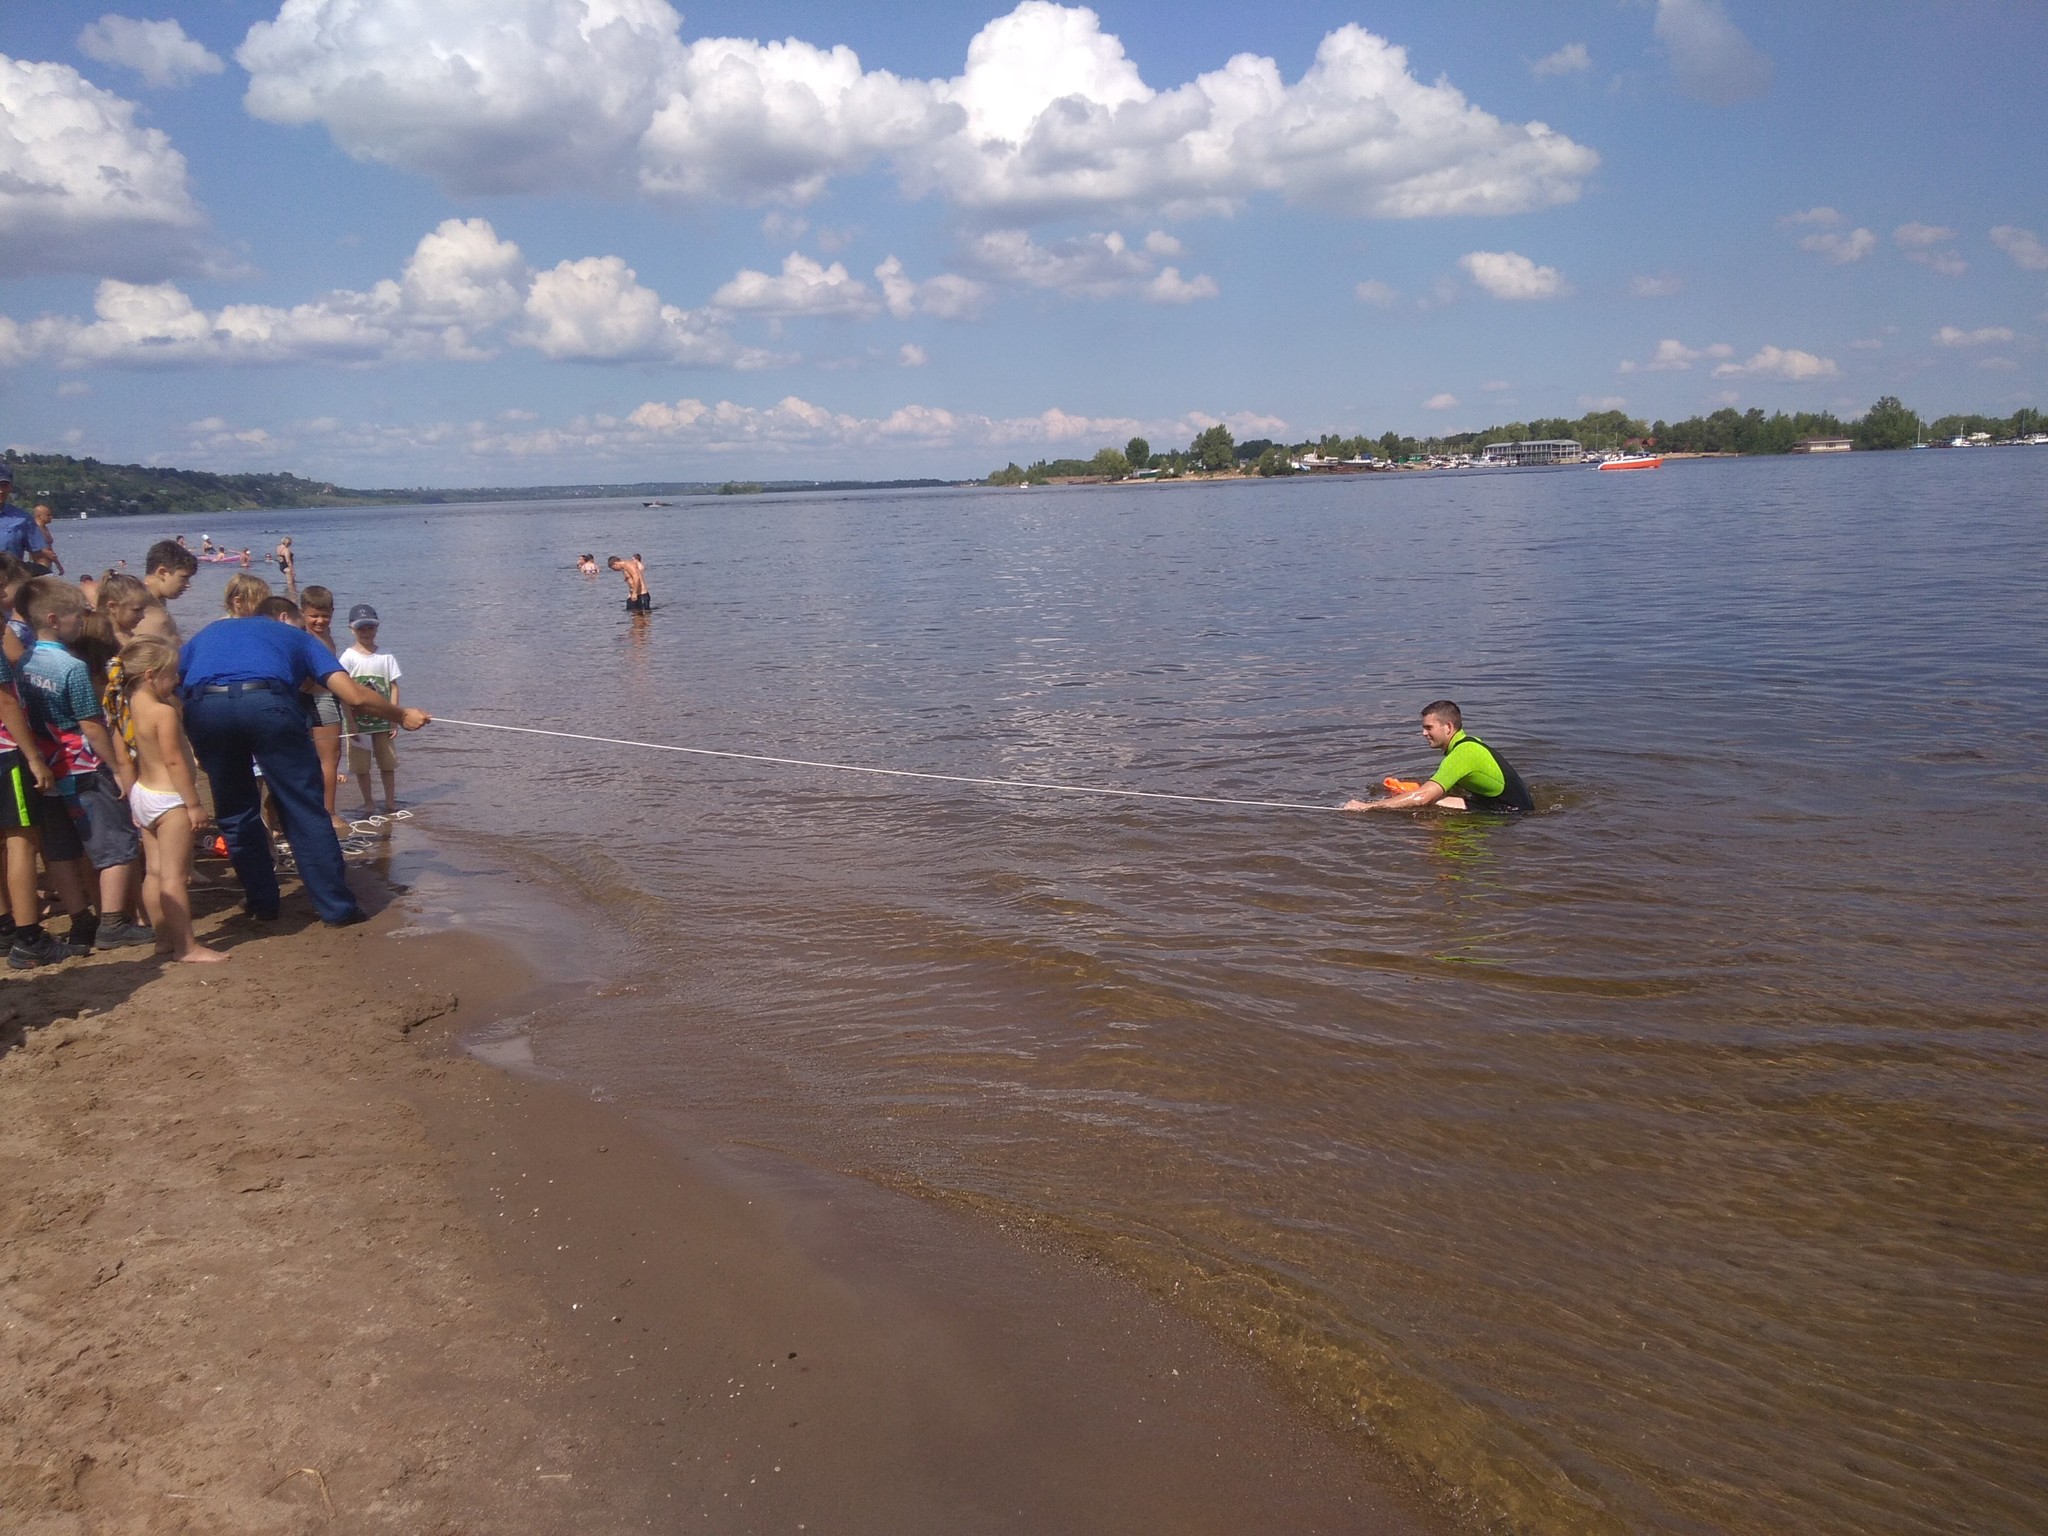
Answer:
(101, 811)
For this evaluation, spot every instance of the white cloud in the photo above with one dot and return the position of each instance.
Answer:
(1169, 287)
(1661, 285)
(794, 423)
(1496, 386)
(596, 310)
(744, 121)
(463, 295)
(1059, 121)
(945, 297)
(1949, 336)
(1841, 249)
(72, 388)
(1674, 356)
(159, 51)
(1571, 59)
(1998, 364)
(2025, 247)
(1909, 237)
(1947, 263)
(1373, 291)
(1824, 216)
(1506, 275)
(911, 355)
(1713, 61)
(480, 95)
(1443, 402)
(1780, 363)
(1093, 266)
(805, 287)
(82, 188)
(1925, 244)
(1602, 403)
(1867, 344)
(1048, 117)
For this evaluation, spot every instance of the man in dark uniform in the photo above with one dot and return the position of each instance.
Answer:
(240, 679)
(1472, 776)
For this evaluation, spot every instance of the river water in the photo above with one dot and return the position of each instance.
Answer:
(1671, 1161)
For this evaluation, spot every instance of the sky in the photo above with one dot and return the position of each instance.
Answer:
(531, 242)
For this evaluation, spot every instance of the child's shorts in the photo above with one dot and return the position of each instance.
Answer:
(105, 828)
(18, 797)
(322, 708)
(86, 818)
(362, 745)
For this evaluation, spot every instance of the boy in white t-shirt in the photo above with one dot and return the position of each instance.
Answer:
(377, 670)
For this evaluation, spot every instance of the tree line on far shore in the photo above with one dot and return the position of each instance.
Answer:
(1887, 424)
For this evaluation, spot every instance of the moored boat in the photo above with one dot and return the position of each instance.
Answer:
(1636, 461)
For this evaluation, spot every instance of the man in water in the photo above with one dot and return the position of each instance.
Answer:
(635, 571)
(1482, 779)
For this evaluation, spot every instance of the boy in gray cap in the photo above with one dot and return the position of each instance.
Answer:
(369, 736)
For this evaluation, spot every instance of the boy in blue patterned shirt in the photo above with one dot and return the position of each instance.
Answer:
(85, 826)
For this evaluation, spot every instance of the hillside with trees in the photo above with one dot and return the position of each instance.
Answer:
(1886, 425)
(72, 486)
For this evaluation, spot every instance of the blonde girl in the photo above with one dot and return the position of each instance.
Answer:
(124, 599)
(165, 798)
(245, 595)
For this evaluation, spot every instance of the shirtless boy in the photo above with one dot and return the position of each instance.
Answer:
(635, 571)
(167, 570)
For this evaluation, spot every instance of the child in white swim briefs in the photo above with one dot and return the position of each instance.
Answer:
(149, 806)
(164, 798)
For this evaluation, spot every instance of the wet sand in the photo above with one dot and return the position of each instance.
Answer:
(277, 1258)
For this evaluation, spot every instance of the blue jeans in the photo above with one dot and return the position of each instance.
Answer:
(227, 731)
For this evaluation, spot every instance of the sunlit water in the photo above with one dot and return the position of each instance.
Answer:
(1672, 1160)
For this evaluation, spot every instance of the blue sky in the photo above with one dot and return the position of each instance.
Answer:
(547, 241)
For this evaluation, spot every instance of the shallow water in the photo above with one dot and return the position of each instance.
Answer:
(1671, 1161)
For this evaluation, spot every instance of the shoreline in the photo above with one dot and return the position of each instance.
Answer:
(273, 1262)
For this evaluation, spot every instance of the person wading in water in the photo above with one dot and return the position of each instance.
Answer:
(1472, 776)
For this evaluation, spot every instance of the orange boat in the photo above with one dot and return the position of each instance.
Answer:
(1636, 461)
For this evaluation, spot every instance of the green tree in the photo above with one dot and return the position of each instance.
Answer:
(1009, 474)
(1274, 461)
(1111, 463)
(1214, 448)
(1139, 452)
(1888, 424)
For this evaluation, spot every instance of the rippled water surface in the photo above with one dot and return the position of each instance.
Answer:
(1672, 1160)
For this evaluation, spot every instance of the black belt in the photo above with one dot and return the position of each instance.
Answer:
(247, 685)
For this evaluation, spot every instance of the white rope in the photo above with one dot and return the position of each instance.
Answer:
(894, 773)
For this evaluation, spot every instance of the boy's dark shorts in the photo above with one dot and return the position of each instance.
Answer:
(90, 823)
(18, 795)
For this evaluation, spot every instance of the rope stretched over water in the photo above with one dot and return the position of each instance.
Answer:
(895, 773)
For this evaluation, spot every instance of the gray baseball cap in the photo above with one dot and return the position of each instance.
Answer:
(360, 615)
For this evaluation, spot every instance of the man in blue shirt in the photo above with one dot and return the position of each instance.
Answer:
(19, 534)
(240, 679)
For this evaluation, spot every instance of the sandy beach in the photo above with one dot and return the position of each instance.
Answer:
(278, 1258)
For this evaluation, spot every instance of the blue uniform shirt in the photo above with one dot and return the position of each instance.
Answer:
(249, 650)
(20, 535)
